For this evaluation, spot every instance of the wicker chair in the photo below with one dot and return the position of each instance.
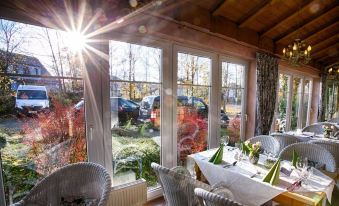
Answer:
(213, 199)
(313, 152)
(269, 143)
(178, 187)
(332, 147)
(317, 128)
(79, 180)
(284, 140)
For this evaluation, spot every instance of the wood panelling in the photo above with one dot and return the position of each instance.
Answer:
(268, 25)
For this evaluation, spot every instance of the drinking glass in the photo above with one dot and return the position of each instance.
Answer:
(225, 140)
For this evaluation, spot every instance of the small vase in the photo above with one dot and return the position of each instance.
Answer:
(253, 158)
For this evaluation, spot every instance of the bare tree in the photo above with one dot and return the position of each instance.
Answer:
(10, 42)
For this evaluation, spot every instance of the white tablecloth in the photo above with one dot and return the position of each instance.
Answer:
(308, 136)
(252, 191)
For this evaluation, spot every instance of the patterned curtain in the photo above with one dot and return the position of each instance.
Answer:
(267, 81)
(322, 103)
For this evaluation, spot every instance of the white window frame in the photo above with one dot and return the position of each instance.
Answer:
(212, 108)
(165, 95)
(244, 93)
(301, 100)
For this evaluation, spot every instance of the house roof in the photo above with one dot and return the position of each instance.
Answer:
(24, 60)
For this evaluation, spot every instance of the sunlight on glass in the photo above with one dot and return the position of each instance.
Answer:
(75, 41)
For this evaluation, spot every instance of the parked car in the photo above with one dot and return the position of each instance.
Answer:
(122, 110)
(150, 108)
(31, 99)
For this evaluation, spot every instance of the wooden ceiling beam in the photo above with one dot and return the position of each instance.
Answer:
(253, 13)
(329, 60)
(332, 25)
(214, 11)
(296, 28)
(326, 51)
(325, 43)
(290, 15)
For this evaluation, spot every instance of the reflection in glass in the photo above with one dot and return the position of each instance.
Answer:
(296, 94)
(283, 91)
(192, 104)
(231, 100)
(307, 92)
(135, 111)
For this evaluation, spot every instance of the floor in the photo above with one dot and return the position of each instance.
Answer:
(157, 202)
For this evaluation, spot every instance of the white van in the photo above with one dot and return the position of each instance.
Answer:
(30, 99)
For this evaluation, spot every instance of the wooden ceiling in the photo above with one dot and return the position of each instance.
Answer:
(270, 24)
(267, 24)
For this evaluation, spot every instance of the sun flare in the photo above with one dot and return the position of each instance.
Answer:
(76, 41)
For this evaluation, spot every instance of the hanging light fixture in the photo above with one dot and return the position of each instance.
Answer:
(298, 51)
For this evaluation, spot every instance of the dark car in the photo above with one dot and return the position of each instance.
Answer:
(150, 107)
(122, 108)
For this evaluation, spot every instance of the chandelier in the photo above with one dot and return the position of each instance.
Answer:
(297, 53)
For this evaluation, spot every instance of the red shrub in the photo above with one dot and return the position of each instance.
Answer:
(56, 138)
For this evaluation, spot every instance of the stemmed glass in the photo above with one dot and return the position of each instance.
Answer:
(225, 140)
(304, 170)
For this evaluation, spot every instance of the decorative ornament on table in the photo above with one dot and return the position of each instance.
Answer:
(328, 131)
(253, 151)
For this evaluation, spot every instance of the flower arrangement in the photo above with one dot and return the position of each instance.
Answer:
(328, 130)
(253, 151)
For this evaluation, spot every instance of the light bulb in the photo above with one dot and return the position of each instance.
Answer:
(294, 46)
(305, 52)
(309, 48)
(284, 51)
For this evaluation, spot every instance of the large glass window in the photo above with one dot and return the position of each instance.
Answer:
(193, 88)
(41, 129)
(135, 76)
(281, 111)
(296, 95)
(232, 82)
(306, 102)
(293, 103)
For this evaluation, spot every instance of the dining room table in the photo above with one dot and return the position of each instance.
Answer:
(245, 179)
(308, 136)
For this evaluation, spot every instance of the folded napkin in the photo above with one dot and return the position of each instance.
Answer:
(295, 158)
(272, 176)
(217, 157)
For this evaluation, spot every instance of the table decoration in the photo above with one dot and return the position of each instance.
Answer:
(253, 151)
(217, 156)
(273, 174)
(328, 131)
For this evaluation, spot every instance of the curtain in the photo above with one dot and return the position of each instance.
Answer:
(267, 81)
(322, 104)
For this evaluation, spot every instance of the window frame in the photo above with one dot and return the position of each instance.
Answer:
(234, 60)
(212, 110)
(290, 94)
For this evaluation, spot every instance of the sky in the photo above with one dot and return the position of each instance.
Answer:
(35, 43)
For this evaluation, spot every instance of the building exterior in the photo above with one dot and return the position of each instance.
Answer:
(22, 65)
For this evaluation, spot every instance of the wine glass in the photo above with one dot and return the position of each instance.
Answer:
(225, 140)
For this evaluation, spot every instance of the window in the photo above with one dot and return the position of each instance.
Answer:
(41, 129)
(135, 111)
(306, 102)
(193, 97)
(293, 102)
(232, 94)
(282, 99)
